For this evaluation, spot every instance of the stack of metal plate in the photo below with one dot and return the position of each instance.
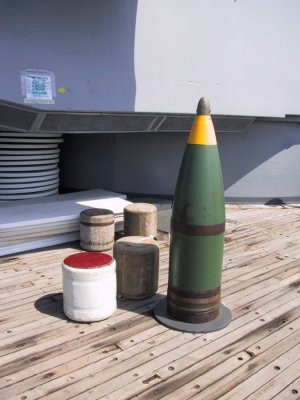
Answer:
(28, 165)
(35, 223)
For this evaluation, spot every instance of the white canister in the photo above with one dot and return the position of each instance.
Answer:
(89, 286)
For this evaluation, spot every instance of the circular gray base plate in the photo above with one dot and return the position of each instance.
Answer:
(161, 315)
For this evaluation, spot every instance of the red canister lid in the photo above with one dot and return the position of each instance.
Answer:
(88, 260)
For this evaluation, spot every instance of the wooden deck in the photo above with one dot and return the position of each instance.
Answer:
(131, 356)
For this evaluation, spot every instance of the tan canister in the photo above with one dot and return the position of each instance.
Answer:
(97, 229)
(137, 259)
(140, 219)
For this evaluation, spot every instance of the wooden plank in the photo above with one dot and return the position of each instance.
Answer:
(215, 370)
(185, 376)
(52, 335)
(90, 367)
(279, 359)
(291, 391)
(180, 346)
(130, 355)
(83, 357)
(289, 374)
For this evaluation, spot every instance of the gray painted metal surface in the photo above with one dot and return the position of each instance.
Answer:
(258, 165)
(222, 320)
(18, 118)
(260, 156)
(146, 56)
(113, 56)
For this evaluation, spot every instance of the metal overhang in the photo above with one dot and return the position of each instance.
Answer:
(19, 118)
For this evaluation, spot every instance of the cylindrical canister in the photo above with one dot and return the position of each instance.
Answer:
(89, 286)
(140, 219)
(97, 229)
(137, 259)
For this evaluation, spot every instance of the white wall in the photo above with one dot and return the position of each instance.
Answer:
(157, 55)
(241, 54)
(162, 56)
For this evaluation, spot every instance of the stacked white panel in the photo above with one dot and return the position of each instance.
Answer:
(28, 165)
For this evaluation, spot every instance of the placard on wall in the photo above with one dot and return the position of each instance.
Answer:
(38, 86)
